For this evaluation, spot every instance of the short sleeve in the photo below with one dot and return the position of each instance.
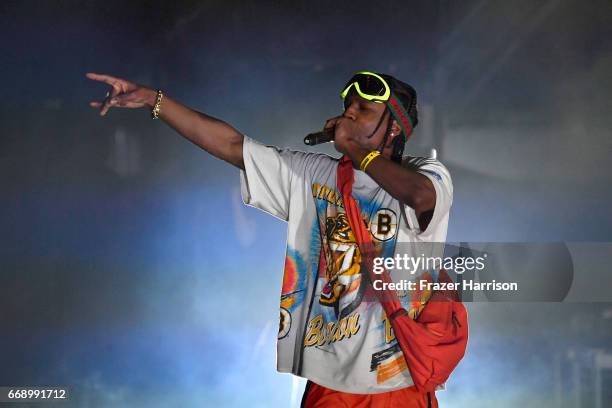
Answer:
(265, 182)
(443, 185)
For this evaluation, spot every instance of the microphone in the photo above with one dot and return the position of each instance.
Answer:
(327, 135)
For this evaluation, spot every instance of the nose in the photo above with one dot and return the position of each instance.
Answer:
(350, 112)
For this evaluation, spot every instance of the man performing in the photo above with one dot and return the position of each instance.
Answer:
(354, 347)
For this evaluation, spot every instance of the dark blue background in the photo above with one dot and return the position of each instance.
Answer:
(131, 271)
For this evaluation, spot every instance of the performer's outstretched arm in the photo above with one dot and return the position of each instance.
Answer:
(213, 135)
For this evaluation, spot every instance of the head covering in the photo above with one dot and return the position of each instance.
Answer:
(403, 104)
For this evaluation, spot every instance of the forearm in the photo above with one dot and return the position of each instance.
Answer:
(213, 135)
(404, 184)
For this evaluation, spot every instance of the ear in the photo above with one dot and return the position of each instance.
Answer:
(396, 130)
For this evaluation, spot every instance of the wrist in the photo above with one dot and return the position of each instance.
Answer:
(151, 97)
(363, 165)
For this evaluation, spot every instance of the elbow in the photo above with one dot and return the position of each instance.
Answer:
(423, 200)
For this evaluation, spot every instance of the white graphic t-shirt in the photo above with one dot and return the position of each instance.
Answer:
(326, 332)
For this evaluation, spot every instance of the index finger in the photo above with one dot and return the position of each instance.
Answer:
(329, 123)
(101, 77)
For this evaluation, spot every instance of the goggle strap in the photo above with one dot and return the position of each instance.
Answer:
(401, 116)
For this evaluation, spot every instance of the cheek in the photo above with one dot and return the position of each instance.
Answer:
(376, 140)
(371, 130)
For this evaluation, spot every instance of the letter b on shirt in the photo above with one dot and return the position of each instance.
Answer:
(383, 225)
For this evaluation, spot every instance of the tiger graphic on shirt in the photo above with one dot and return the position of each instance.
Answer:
(344, 286)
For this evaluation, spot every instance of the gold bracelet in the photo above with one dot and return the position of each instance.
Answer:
(368, 159)
(157, 107)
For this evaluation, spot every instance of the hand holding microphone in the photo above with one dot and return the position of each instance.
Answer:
(324, 136)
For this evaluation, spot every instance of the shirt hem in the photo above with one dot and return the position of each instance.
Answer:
(350, 390)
